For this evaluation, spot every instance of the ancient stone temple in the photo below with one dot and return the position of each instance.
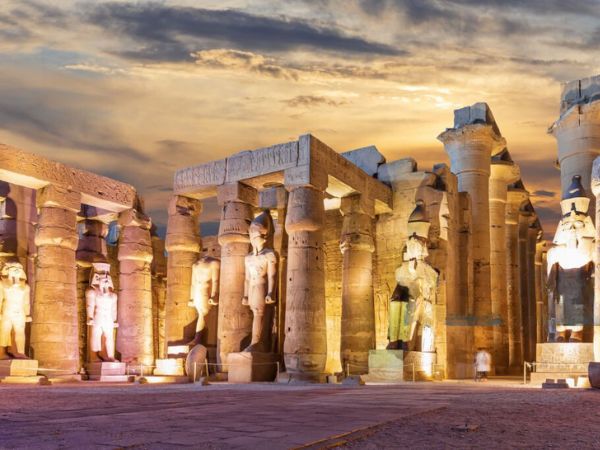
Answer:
(81, 240)
(381, 268)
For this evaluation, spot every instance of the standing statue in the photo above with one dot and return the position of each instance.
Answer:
(261, 281)
(101, 308)
(411, 305)
(571, 269)
(15, 310)
(204, 290)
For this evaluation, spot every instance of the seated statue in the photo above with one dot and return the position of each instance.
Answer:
(571, 269)
(204, 291)
(261, 282)
(101, 308)
(411, 306)
(14, 311)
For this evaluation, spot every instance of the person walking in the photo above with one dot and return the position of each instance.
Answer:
(483, 364)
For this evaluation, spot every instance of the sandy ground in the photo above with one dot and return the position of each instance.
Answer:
(499, 414)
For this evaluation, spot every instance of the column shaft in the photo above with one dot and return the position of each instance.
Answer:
(358, 315)
(305, 347)
(532, 234)
(183, 246)
(55, 330)
(135, 337)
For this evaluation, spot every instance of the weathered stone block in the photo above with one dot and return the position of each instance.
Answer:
(248, 367)
(18, 367)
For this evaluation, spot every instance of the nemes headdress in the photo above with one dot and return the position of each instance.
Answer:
(99, 270)
(262, 225)
(14, 265)
(417, 222)
(575, 198)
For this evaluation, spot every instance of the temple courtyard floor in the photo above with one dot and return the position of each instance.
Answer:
(497, 414)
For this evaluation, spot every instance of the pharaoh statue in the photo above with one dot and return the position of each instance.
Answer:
(571, 268)
(204, 291)
(14, 311)
(411, 305)
(261, 282)
(101, 308)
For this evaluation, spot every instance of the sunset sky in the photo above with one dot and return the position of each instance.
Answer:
(136, 90)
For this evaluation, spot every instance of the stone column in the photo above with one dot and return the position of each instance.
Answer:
(577, 132)
(516, 196)
(525, 219)
(235, 320)
(159, 293)
(470, 148)
(54, 331)
(135, 337)
(183, 246)
(532, 238)
(503, 172)
(358, 315)
(305, 347)
(8, 224)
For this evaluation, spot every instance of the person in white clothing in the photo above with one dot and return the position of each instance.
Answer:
(483, 364)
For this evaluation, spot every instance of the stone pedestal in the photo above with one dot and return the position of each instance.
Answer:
(358, 316)
(235, 320)
(423, 365)
(18, 368)
(386, 365)
(170, 367)
(248, 367)
(566, 360)
(107, 371)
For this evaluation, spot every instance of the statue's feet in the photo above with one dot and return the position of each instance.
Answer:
(16, 355)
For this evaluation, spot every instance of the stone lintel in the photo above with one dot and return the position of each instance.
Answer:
(237, 192)
(35, 172)
(52, 196)
(94, 213)
(358, 204)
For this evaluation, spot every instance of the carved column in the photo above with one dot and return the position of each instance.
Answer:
(532, 237)
(358, 316)
(503, 172)
(470, 148)
(525, 219)
(8, 224)
(541, 312)
(159, 293)
(516, 196)
(135, 337)
(235, 320)
(595, 183)
(54, 331)
(183, 246)
(305, 347)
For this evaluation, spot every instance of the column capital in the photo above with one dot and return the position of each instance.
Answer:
(135, 218)
(357, 204)
(273, 198)
(52, 196)
(505, 171)
(237, 192)
(184, 206)
(480, 133)
(182, 228)
(596, 176)
(577, 116)
(306, 176)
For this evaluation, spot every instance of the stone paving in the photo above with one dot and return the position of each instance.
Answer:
(262, 416)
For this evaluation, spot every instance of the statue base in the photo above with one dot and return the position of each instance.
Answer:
(170, 367)
(248, 367)
(563, 360)
(421, 366)
(18, 368)
(386, 366)
(107, 371)
(195, 363)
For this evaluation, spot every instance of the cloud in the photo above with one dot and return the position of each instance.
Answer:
(170, 33)
(543, 193)
(307, 101)
(239, 60)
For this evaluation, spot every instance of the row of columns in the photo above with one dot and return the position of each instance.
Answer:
(63, 258)
(305, 343)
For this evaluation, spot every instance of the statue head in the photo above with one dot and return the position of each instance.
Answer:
(261, 229)
(100, 277)
(14, 271)
(418, 233)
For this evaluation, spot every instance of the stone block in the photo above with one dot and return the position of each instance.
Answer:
(386, 365)
(195, 363)
(564, 356)
(396, 170)
(106, 368)
(53, 196)
(367, 158)
(248, 367)
(353, 380)
(249, 164)
(18, 367)
(170, 367)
